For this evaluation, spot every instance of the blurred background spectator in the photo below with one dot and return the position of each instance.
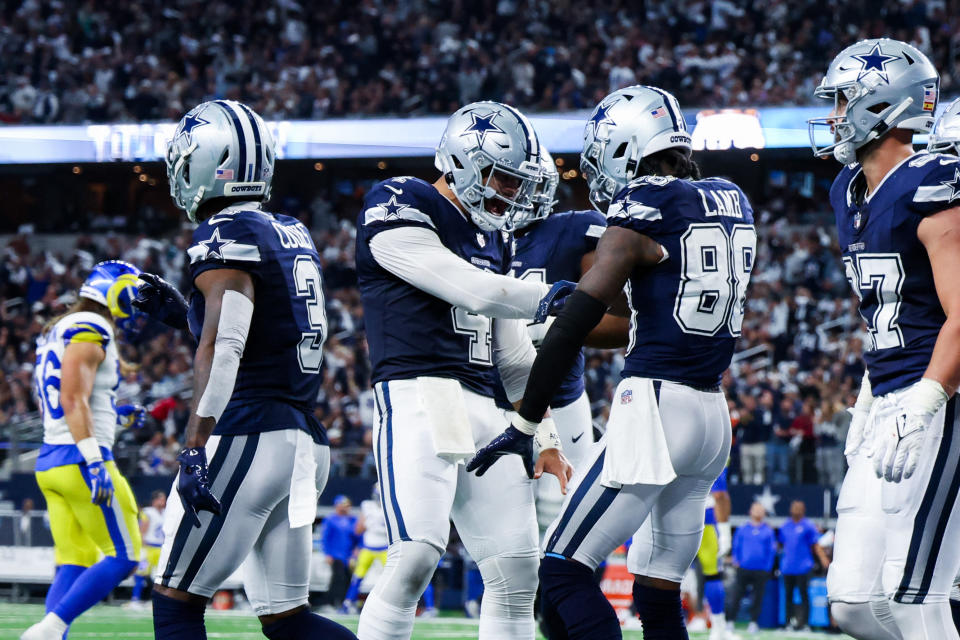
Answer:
(754, 551)
(799, 538)
(103, 60)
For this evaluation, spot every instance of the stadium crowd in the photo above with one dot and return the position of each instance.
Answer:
(788, 388)
(103, 60)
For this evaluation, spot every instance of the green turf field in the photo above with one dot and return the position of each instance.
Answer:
(105, 622)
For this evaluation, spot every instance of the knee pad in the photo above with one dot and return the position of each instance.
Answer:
(869, 620)
(410, 565)
(510, 585)
(672, 558)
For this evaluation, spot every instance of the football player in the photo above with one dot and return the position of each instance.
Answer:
(92, 508)
(151, 528)
(255, 458)
(549, 246)
(684, 249)
(372, 527)
(945, 138)
(432, 264)
(898, 226)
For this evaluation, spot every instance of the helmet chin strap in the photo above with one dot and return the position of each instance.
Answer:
(197, 201)
(846, 153)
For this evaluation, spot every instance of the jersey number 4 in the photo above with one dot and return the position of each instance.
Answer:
(714, 276)
(879, 276)
(306, 276)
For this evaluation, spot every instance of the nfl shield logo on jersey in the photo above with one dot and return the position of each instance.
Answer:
(626, 397)
(481, 240)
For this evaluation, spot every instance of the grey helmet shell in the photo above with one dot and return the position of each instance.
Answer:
(482, 138)
(627, 126)
(887, 84)
(945, 137)
(220, 149)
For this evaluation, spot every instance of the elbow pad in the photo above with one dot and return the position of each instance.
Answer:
(236, 311)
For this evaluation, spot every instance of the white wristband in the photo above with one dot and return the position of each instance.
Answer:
(865, 397)
(546, 437)
(90, 450)
(525, 426)
(926, 397)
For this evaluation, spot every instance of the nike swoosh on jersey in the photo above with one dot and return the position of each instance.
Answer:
(579, 436)
(394, 189)
(216, 220)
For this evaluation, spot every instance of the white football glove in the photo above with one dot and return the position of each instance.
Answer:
(860, 411)
(898, 446)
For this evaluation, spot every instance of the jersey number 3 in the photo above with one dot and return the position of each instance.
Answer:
(716, 270)
(306, 276)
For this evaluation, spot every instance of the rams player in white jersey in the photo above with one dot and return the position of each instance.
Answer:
(373, 547)
(92, 509)
(151, 529)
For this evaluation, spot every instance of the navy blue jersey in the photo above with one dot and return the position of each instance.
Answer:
(888, 266)
(686, 313)
(410, 332)
(551, 250)
(278, 379)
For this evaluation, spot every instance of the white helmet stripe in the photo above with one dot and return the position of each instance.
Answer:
(260, 149)
(245, 136)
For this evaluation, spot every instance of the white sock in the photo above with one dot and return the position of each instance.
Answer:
(53, 622)
(380, 620)
(718, 625)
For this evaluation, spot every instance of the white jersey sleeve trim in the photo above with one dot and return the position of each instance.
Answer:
(513, 354)
(391, 211)
(417, 256)
(634, 210)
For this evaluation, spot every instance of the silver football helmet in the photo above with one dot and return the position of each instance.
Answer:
(484, 140)
(886, 84)
(627, 126)
(544, 198)
(945, 137)
(220, 149)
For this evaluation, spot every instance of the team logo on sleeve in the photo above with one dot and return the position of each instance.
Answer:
(215, 245)
(953, 185)
(392, 208)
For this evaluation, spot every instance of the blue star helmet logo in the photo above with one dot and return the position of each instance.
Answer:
(190, 122)
(876, 61)
(482, 125)
(601, 117)
(215, 245)
(954, 185)
(392, 208)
